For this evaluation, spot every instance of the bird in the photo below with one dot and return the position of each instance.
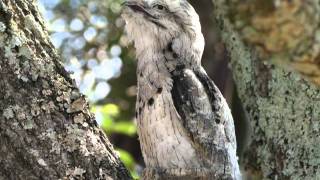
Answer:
(183, 120)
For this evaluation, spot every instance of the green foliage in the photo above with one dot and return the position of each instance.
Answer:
(129, 162)
(109, 112)
(127, 128)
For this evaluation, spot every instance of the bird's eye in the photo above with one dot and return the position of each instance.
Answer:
(159, 7)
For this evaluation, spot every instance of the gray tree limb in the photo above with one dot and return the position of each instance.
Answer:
(283, 107)
(46, 129)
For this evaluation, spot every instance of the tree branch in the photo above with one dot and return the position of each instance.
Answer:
(283, 107)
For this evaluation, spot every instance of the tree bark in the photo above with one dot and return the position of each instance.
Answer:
(46, 129)
(269, 42)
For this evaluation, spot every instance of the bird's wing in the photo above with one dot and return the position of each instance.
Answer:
(203, 110)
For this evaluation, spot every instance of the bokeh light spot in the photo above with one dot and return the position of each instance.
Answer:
(76, 25)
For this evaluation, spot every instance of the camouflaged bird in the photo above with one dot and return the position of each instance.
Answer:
(183, 120)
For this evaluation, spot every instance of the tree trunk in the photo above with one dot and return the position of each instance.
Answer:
(46, 129)
(274, 49)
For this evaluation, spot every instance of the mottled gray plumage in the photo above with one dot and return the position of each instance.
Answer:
(183, 120)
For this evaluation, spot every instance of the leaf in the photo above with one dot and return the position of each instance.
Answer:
(128, 128)
(111, 109)
(107, 123)
(128, 161)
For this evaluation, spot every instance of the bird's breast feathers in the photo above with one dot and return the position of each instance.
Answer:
(164, 141)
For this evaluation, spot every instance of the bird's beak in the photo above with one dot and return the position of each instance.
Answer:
(137, 7)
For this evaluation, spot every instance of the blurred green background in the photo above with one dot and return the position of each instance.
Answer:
(89, 36)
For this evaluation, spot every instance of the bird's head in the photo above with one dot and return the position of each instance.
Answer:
(154, 23)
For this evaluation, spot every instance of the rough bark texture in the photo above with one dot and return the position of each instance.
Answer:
(46, 130)
(283, 106)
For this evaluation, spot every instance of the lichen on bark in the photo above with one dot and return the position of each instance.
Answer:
(286, 33)
(283, 105)
(46, 129)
